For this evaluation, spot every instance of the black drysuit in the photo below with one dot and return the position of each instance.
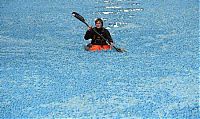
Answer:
(96, 39)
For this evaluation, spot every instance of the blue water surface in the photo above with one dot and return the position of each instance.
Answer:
(46, 73)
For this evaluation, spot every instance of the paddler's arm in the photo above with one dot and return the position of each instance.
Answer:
(108, 36)
(88, 34)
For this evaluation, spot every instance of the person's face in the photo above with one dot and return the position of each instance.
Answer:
(98, 24)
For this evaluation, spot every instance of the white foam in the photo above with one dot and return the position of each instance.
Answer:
(132, 10)
(113, 7)
(107, 12)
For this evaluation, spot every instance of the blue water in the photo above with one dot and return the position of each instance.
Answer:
(45, 72)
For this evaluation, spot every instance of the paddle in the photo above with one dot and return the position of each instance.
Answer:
(79, 17)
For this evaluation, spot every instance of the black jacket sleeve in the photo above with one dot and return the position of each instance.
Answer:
(108, 36)
(88, 35)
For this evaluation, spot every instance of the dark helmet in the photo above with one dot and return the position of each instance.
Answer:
(100, 20)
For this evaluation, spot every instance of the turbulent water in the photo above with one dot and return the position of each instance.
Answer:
(45, 72)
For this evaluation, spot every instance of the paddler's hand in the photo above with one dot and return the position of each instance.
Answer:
(111, 44)
(89, 28)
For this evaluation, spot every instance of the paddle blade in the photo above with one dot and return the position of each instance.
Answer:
(119, 49)
(78, 16)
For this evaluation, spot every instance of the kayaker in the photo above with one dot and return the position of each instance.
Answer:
(97, 42)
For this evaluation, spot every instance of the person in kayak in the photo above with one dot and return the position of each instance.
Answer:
(97, 42)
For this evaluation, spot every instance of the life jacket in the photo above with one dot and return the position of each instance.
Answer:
(97, 40)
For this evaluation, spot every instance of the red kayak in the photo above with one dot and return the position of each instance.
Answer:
(91, 47)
